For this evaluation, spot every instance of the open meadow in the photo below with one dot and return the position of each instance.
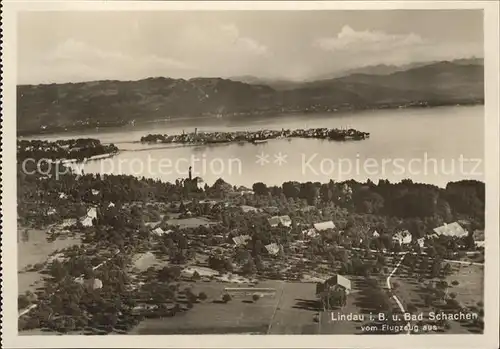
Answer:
(213, 316)
(296, 309)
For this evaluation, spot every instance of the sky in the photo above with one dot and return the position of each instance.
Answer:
(293, 45)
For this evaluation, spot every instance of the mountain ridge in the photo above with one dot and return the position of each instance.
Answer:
(59, 107)
(379, 69)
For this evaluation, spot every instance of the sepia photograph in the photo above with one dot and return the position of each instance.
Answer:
(203, 170)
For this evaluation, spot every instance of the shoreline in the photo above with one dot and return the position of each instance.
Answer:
(92, 158)
(126, 126)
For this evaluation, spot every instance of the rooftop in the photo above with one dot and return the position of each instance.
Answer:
(241, 240)
(276, 220)
(339, 280)
(324, 225)
(452, 229)
(273, 248)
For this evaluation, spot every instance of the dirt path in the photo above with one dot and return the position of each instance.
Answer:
(280, 298)
(396, 299)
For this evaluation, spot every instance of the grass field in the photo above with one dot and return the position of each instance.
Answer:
(470, 288)
(296, 309)
(214, 317)
(291, 311)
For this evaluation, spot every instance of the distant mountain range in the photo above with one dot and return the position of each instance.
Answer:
(380, 69)
(57, 107)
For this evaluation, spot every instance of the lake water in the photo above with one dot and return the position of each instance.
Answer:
(434, 145)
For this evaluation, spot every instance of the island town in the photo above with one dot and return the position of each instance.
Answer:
(256, 136)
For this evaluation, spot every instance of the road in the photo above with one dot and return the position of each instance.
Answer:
(280, 297)
(389, 287)
(463, 262)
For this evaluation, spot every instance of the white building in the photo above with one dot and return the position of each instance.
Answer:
(92, 283)
(67, 222)
(276, 220)
(241, 240)
(479, 238)
(92, 212)
(324, 225)
(335, 282)
(310, 233)
(87, 222)
(273, 249)
(159, 231)
(453, 229)
(402, 237)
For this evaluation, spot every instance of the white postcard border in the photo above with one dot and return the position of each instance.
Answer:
(10, 337)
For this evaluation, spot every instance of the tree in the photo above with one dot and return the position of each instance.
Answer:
(260, 188)
(183, 243)
(26, 235)
(258, 262)
(291, 189)
(249, 267)
(367, 201)
(447, 270)
(255, 297)
(202, 296)
(169, 273)
(226, 298)
(435, 268)
(192, 298)
(381, 259)
(242, 256)
(58, 271)
(258, 245)
(444, 210)
(22, 302)
(333, 298)
(196, 275)
(220, 263)
(182, 207)
(397, 248)
(427, 300)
